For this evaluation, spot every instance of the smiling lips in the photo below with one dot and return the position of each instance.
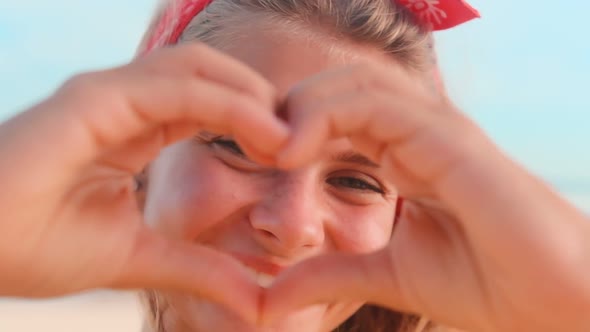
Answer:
(262, 270)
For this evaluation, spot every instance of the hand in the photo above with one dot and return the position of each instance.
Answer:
(69, 217)
(481, 244)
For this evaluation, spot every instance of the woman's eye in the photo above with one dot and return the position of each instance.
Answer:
(226, 150)
(354, 183)
(229, 145)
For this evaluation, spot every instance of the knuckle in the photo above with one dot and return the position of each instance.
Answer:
(171, 60)
(195, 49)
(80, 81)
(86, 85)
(156, 63)
(89, 91)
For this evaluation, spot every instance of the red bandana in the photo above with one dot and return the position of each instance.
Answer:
(437, 14)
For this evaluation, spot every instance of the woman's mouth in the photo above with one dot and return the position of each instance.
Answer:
(263, 271)
(262, 279)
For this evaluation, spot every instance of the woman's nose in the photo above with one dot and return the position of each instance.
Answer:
(290, 218)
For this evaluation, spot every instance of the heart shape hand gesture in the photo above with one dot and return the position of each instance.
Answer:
(480, 245)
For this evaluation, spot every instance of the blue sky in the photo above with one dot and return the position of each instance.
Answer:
(521, 71)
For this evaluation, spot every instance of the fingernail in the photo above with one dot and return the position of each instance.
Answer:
(277, 138)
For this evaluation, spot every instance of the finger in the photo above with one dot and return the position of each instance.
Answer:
(370, 148)
(360, 78)
(210, 64)
(158, 263)
(379, 92)
(333, 278)
(132, 157)
(453, 160)
(377, 116)
(254, 155)
(132, 105)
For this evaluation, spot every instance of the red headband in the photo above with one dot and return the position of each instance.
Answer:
(437, 14)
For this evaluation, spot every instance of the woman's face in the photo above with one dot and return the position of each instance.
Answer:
(205, 190)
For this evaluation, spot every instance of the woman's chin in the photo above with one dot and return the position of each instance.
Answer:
(195, 315)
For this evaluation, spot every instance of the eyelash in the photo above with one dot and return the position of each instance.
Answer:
(229, 145)
(355, 184)
(343, 181)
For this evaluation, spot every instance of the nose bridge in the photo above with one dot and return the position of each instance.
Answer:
(290, 213)
(291, 196)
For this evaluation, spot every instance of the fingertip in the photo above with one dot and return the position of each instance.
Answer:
(292, 155)
(264, 147)
(263, 131)
(281, 133)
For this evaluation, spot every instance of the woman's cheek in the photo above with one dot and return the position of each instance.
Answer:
(187, 195)
(362, 229)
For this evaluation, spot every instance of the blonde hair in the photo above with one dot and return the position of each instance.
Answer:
(380, 24)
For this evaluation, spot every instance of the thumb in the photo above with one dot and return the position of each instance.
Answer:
(334, 278)
(159, 263)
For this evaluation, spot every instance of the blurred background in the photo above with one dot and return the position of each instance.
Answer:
(521, 72)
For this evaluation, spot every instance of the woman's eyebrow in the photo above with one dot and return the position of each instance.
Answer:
(353, 157)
